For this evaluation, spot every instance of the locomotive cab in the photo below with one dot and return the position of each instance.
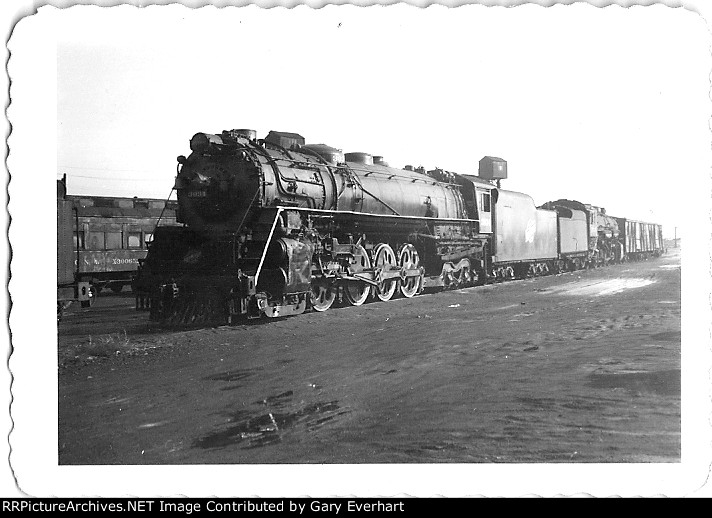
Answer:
(480, 197)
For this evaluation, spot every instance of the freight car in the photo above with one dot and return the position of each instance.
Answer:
(640, 240)
(103, 241)
(612, 239)
(273, 226)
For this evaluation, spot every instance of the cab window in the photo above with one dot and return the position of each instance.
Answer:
(485, 202)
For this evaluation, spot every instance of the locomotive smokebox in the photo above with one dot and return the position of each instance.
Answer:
(493, 168)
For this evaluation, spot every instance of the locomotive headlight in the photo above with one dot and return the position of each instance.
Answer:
(199, 142)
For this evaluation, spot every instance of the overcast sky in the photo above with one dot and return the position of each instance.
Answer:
(606, 106)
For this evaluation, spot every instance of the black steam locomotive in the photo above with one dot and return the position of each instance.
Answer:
(275, 226)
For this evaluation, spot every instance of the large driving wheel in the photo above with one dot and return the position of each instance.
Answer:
(323, 293)
(408, 259)
(357, 292)
(384, 258)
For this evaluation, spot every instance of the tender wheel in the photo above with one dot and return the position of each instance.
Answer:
(385, 258)
(408, 259)
(117, 288)
(357, 292)
(323, 293)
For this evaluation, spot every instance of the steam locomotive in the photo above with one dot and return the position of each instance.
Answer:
(275, 226)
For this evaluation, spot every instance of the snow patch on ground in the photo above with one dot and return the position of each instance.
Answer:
(600, 288)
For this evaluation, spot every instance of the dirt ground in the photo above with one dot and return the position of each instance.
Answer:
(582, 367)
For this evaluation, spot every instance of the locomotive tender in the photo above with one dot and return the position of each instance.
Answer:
(274, 226)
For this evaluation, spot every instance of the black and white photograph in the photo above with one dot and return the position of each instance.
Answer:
(378, 250)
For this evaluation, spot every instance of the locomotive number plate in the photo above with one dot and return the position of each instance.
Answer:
(197, 194)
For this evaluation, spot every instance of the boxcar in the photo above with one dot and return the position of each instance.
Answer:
(640, 239)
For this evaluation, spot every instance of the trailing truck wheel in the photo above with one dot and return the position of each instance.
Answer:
(357, 292)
